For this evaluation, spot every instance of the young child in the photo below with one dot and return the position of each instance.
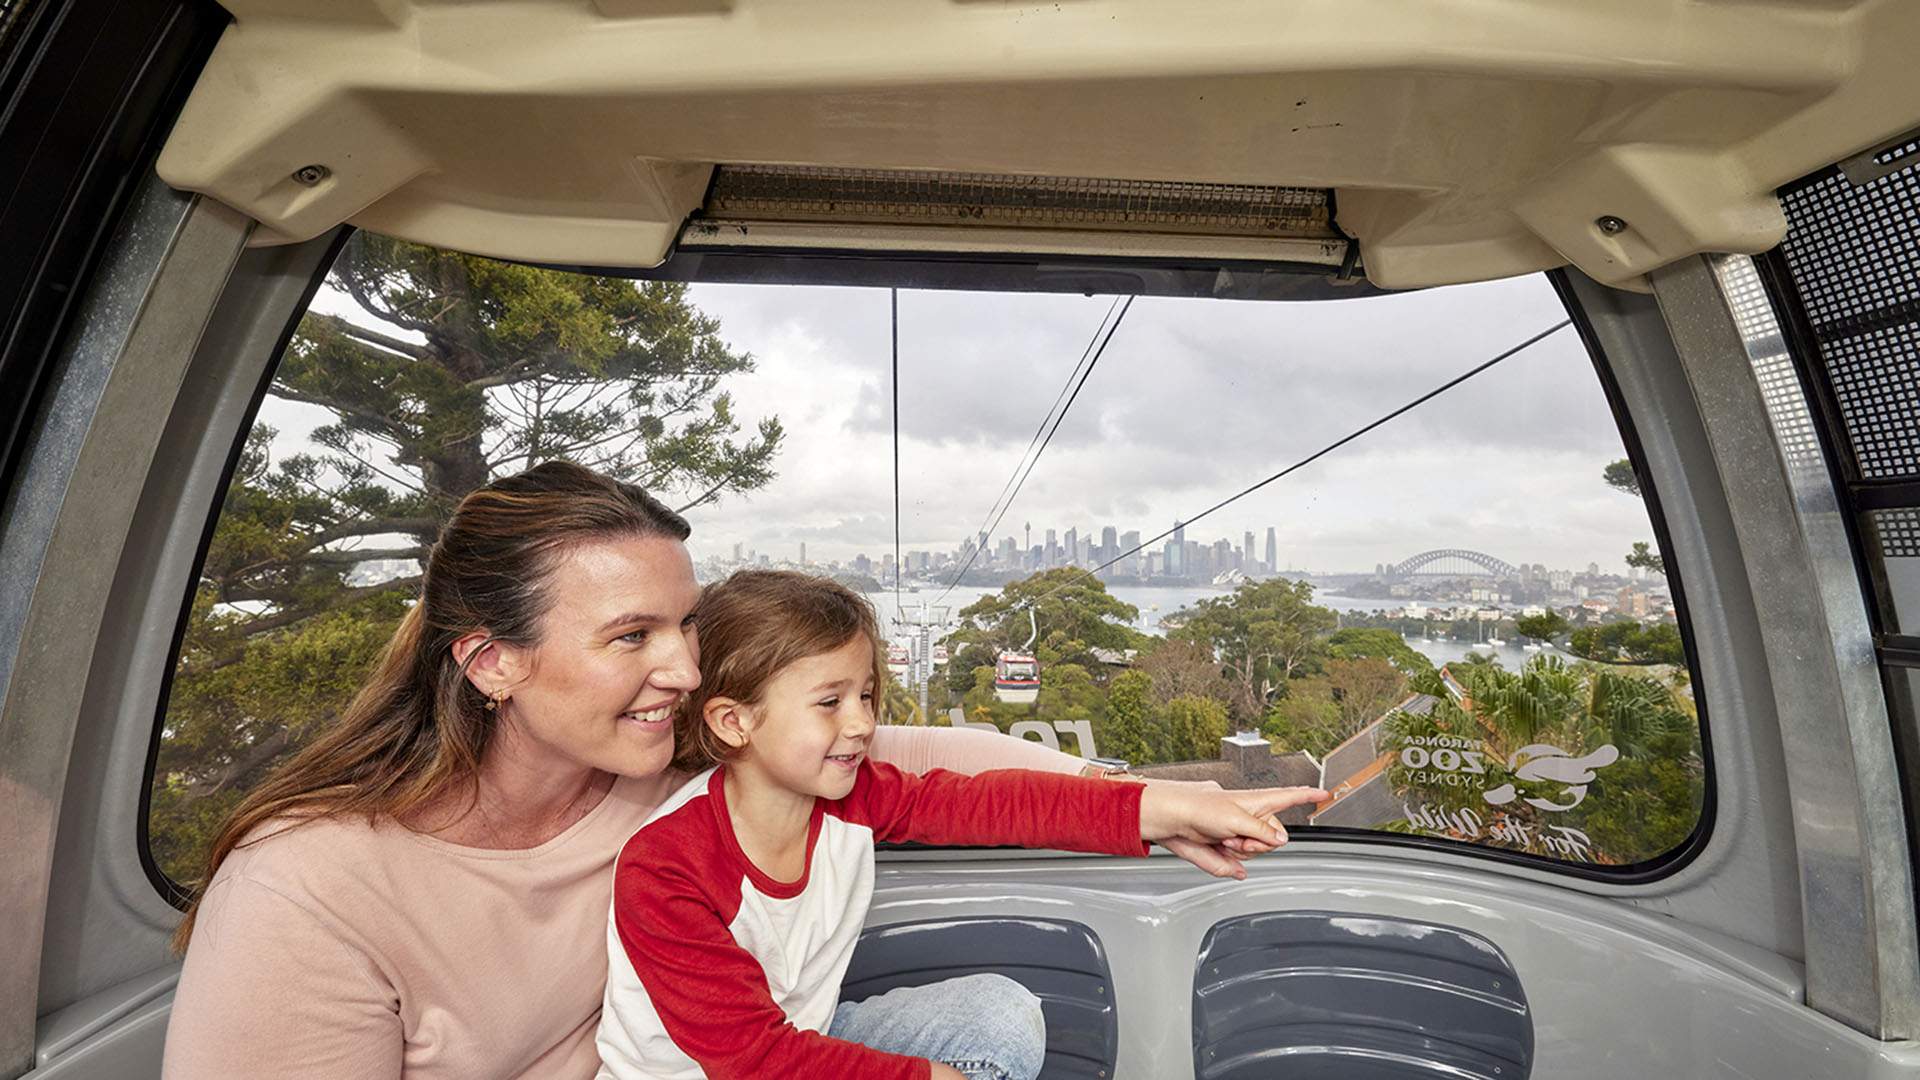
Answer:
(737, 905)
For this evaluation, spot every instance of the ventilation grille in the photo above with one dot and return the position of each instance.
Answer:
(899, 197)
(1897, 532)
(1854, 253)
(1897, 153)
(1773, 370)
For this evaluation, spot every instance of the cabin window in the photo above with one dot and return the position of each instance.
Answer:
(1459, 621)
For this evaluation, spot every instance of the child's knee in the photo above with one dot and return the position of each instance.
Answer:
(1013, 1030)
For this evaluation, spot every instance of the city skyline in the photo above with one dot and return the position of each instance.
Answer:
(1050, 551)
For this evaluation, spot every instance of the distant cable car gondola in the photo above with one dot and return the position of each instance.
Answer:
(898, 659)
(1016, 675)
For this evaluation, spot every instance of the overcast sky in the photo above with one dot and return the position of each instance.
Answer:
(1193, 400)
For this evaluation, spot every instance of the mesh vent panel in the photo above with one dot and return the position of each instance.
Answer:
(1897, 153)
(1898, 532)
(1793, 426)
(1854, 252)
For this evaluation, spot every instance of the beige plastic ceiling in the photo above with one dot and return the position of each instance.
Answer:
(1463, 139)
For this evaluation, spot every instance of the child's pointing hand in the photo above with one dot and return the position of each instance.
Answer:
(1248, 821)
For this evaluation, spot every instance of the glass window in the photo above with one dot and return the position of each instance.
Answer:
(1458, 621)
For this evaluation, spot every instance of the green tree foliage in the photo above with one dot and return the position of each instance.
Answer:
(1636, 808)
(456, 369)
(1262, 634)
(898, 705)
(964, 664)
(1183, 669)
(1541, 628)
(1071, 608)
(1361, 643)
(1194, 728)
(1068, 692)
(1629, 643)
(1319, 712)
(1364, 689)
(1620, 476)
(1129, 731)
(1308, 719)
(1074, 615)
(1644, 557)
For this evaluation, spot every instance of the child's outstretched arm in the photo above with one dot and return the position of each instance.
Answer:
(1016, 806)
(1245, 822)
(964, 750)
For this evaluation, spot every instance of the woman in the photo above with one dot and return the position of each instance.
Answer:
(422, 892)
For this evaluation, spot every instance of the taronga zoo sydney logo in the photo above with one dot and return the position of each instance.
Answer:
(1555, 782)
(1541, 763)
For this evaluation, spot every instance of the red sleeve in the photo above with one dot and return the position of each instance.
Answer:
(711, 995)
(1004, 806)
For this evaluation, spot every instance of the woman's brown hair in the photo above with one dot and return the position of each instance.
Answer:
(752, 625)
(417, 729)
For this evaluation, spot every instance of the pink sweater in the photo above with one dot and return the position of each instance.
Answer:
(340, 949)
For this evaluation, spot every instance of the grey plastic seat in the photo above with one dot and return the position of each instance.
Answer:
(1319, 995)
(1062, 962)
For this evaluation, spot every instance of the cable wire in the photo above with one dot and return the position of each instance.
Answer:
(894, 299)
(1042, 426)
(1021, 482)
(1323, 451)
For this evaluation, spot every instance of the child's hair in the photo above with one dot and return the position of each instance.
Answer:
(750, 627)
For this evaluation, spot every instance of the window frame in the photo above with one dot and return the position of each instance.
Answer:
(1026, 273)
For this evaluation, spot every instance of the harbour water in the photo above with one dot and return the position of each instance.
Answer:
(1156, 602)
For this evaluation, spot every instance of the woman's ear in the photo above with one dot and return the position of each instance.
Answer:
(728, 719)
(491, 666)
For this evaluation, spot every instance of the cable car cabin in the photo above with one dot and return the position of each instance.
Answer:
(1016, 678)
(899, 659)
(1585, 325)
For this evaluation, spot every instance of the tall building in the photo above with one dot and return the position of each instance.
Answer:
(739, 551)
(1247, 557)
(1073, 544)
(1008, 552)
(1109, 543)
(1053, 550)
(1129, 541)
(1177, 551)
(1086, 550)
(1273, 551)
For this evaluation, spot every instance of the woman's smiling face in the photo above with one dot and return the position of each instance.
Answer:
(616, 654)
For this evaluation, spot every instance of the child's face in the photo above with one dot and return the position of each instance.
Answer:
(815, 721)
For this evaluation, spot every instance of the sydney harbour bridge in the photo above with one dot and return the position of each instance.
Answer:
(1452, 562)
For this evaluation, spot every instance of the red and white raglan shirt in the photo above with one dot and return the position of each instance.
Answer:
(717, 970)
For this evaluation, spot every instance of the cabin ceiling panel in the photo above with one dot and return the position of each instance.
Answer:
(1463, 141)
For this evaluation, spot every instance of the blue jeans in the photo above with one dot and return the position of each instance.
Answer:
(987, 1026)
